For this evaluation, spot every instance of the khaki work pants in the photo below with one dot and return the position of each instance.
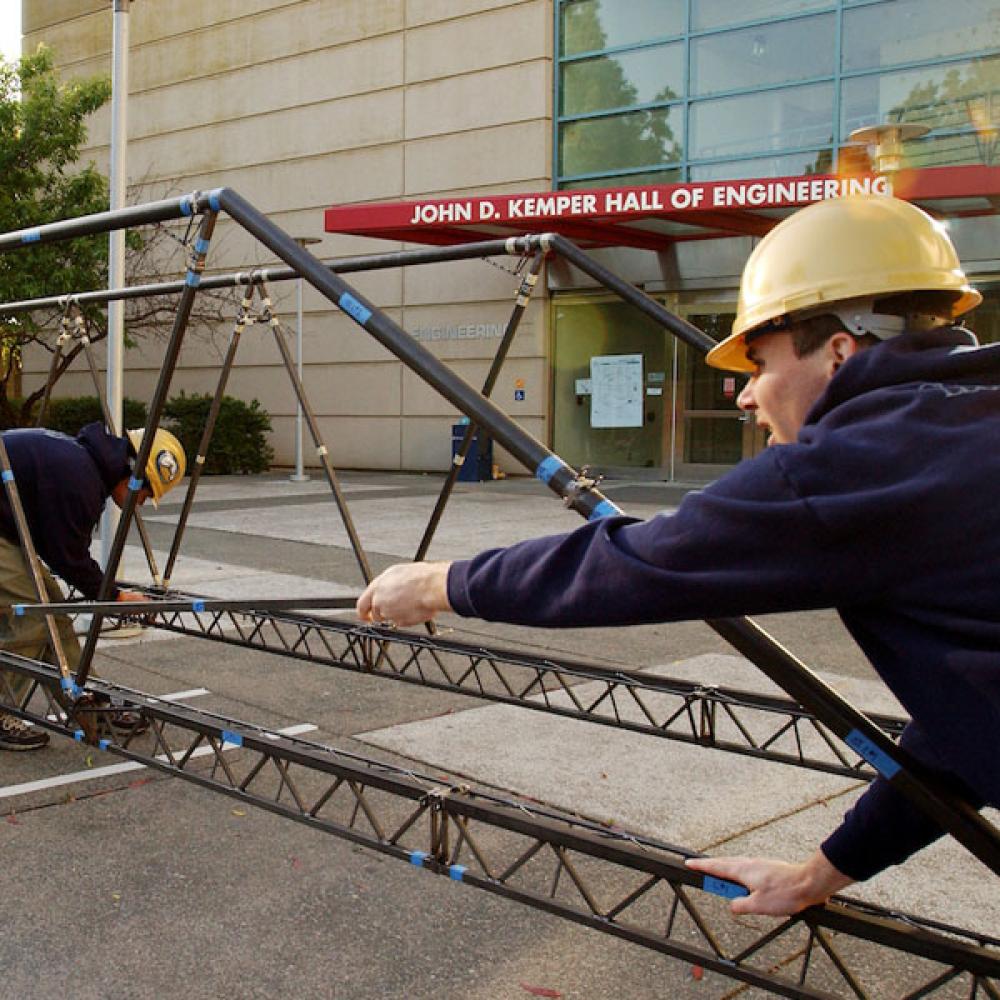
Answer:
(20, 634)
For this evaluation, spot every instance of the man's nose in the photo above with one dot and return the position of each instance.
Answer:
(745, 400)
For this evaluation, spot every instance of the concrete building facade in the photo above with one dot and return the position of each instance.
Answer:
(302, 104)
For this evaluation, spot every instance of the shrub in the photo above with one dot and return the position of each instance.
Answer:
(70, 413)
(238, 442)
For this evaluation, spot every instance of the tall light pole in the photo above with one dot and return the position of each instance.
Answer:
(116, 243)
(299, 476)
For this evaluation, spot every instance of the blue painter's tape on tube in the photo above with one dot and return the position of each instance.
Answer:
(103, 744)
(201, 245)
(354, 308)
(418, 857)
(18, 609)
(457, 872)
(192, 279)
(548, 468)
(724, 888)
(187, 205)
(78, 735)
(228, 736)
(213, 199)
(875, 756)
(604, 509)
(135, 484)
(8, 475)
(198, 605)
(31, 236)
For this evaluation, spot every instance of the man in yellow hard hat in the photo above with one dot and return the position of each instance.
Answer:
(877, 498)
(63, 484)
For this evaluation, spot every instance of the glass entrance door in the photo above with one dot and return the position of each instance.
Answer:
(711, 434)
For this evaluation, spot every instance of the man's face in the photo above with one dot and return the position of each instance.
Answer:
(120, 494)
(783, 387)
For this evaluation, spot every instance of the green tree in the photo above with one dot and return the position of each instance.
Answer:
(42, 126)
(637, 139)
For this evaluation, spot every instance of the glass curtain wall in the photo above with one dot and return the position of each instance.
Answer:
(658, 91)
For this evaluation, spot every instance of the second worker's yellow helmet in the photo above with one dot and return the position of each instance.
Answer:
(166, 465)
(844, 250)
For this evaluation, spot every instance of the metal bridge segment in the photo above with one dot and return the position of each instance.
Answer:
(631, 887)
(451, 815)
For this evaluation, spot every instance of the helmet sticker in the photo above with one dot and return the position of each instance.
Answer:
(166, 466)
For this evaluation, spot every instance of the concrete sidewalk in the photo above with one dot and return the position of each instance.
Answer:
(267, 536)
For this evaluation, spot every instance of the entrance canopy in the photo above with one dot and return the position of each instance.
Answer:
(654, 217)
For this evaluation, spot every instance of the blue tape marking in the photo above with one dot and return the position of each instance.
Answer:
(187, 205)
(7, 475)
(879, 759)
(103, 744)
(548, 468)
(135, 484)
(720, 887)
(456, 872)
(213, 200)
(417, 858)
(202, 245)
(18, 609)
(78, 736)
(198, 605)
(354, 308)
(228, 736)
(604, 509)
(66, 683)
(31, 236)
(192, 279)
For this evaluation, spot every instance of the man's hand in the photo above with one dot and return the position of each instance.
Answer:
(125, 596)
(406, 594)
(777, 888)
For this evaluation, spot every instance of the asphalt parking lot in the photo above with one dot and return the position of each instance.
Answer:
(123, 883)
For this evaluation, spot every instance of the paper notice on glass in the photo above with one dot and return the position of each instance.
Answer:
(616, 387)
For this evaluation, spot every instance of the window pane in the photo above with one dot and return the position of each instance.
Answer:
(903, 31)
(639, 139)
(759, 123)
(624, 80)
(790, 165)
(671, 175)
(962, 96)
(722, 13)
(768, 54)
(593, 25)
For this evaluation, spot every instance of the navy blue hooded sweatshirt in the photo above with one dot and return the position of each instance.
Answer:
(64, 483)
(886, 508)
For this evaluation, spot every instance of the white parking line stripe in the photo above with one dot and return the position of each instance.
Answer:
(103, 772)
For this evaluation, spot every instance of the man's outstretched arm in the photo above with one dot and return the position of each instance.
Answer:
(777, 888)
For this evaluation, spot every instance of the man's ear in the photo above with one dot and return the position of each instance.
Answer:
(839, 348)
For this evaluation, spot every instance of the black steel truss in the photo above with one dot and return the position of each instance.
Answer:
(743, 722)
(492, 674)
(634, 888)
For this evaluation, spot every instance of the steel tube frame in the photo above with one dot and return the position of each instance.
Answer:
(602, 878)
(211, 605)
(924, 789)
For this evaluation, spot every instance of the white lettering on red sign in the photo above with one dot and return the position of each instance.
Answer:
(643, 201)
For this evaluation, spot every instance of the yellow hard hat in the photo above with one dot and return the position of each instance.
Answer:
(166, 464)
(856, 248)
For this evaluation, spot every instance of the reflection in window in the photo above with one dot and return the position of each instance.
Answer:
(669, 175)
(765, 54)
(622, 81)
(757, 123)
(918, 30)
(723, 13)
(595, 25)
(617, 142)
(819, 161)
(960, 102)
